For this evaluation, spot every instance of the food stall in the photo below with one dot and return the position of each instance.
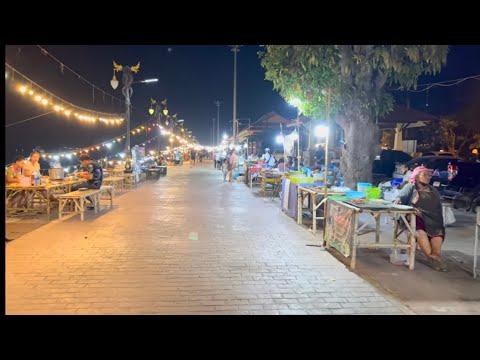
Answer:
(253, 173)
(289, 193)
(343, 228)
(270, 177)
(316, 198)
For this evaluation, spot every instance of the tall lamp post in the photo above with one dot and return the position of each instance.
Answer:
(235, 49)
(127, 91)
(218, 103)
(213, 132)
(324, 131)
(157, 111)
(296, 102)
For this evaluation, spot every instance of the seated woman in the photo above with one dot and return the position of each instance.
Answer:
(31, 167)
(429, 216)
(407, 173)
(12, 176)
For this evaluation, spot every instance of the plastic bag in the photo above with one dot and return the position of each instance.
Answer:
(397, 258)
(448, 216)
(390, 195)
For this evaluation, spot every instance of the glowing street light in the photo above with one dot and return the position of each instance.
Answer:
(321, 131)
(148, 80)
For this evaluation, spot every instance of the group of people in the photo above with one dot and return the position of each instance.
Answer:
(229, 163)
(21, 167)
(416, 192)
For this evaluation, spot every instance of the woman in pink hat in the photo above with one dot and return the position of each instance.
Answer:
(429, 221)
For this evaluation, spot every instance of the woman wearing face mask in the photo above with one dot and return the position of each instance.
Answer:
(429, 216)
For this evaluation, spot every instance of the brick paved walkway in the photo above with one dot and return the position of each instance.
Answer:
(187, 244)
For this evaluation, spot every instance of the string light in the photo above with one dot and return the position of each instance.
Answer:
(57, 103)
(58, 108)
(108, 143)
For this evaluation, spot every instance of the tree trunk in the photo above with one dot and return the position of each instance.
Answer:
(361, 135)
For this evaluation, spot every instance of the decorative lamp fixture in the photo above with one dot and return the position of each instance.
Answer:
(114, 81)
(152, 110)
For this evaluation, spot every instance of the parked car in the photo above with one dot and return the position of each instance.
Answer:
(438, 153)
(453, 173)
(437, 163)
(387, 160)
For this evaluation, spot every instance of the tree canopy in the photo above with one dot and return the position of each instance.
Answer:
(355, 73)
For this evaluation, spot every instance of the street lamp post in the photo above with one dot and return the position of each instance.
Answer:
(213, 132)
(235, 49)
(218, 103)
(329, 93)
(127, 91)
(296, 102)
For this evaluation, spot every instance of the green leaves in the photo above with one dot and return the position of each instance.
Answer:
(357, 74)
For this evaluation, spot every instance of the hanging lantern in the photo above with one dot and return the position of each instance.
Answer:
(114, 81)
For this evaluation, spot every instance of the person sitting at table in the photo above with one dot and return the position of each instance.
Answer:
(12, 176)
(15, 171)
(31, 167)
(316, 170)
(430, 229)
(407, 173)
(93, 173)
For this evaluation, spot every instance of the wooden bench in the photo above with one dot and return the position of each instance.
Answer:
(107, 190)
(129, 180)
(76, 199)
(115, 181)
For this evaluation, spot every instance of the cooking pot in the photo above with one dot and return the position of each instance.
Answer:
(56, 174)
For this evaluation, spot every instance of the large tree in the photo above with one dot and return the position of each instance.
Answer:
(357, 76)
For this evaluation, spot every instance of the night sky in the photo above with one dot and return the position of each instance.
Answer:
(190, 77)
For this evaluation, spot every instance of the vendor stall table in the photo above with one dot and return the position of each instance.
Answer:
(315, 193)
(343, 228)
(254, 176)
(289, 198)
(270, 177)
(40, 194)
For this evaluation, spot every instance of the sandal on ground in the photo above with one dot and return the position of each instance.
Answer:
(438, 264)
